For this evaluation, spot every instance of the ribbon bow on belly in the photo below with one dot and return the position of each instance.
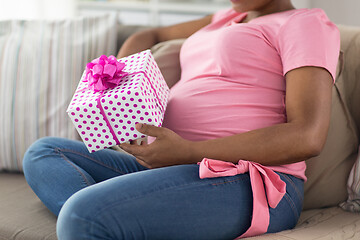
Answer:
(260, 176)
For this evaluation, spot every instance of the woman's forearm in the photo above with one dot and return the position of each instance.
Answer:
(276, 145)
(147, 38)
(138, 42)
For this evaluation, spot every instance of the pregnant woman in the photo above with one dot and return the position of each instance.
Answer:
(252, 104)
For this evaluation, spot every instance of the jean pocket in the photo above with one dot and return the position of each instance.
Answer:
(294, 207)
(295, 185)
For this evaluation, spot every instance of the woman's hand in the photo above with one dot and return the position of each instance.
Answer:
(168, 149)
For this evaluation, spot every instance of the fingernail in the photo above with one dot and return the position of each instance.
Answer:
(138, 126)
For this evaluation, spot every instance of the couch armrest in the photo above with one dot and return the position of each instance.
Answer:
(125, 31)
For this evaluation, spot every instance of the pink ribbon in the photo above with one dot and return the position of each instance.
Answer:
(267, 187)
(102, 112)
(104, 72)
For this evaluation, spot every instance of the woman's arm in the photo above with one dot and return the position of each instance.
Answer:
(148, 38)
(308, 104)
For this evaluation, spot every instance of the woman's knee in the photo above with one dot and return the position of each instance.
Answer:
(77, 218)
(34, 155)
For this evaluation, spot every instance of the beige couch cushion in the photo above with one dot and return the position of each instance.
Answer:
(166, 55)
(22, 214)
(328, 173)
(321, 224)
(350, 88)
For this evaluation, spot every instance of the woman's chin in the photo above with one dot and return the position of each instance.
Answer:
(238, 8)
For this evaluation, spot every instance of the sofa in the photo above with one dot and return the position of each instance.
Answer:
(24, 217)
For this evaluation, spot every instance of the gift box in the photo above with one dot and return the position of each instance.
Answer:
(106, 116)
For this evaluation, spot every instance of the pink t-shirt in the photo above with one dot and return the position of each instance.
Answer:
(233, 73)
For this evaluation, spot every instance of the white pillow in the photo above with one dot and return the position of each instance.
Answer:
(41, 62)
(353, 187)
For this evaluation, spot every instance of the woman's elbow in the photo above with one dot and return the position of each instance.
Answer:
(315, 142)
(314, 150)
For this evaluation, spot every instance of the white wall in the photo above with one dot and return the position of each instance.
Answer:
(339, 11)
(32, 9)
(301, 3)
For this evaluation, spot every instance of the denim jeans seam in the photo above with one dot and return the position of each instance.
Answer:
(76, 168)
(228, 181)
(292, 205)
(91, 159)
(300, 196)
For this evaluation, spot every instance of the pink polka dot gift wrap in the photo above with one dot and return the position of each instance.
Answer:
(107, 117)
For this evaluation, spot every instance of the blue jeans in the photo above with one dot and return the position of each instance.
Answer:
(108, 195)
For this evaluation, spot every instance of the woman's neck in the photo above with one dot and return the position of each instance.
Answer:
(272, 7)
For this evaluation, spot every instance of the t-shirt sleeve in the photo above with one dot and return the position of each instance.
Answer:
(309, 39)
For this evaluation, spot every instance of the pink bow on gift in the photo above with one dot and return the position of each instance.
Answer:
(103, 73)
(260, 176)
